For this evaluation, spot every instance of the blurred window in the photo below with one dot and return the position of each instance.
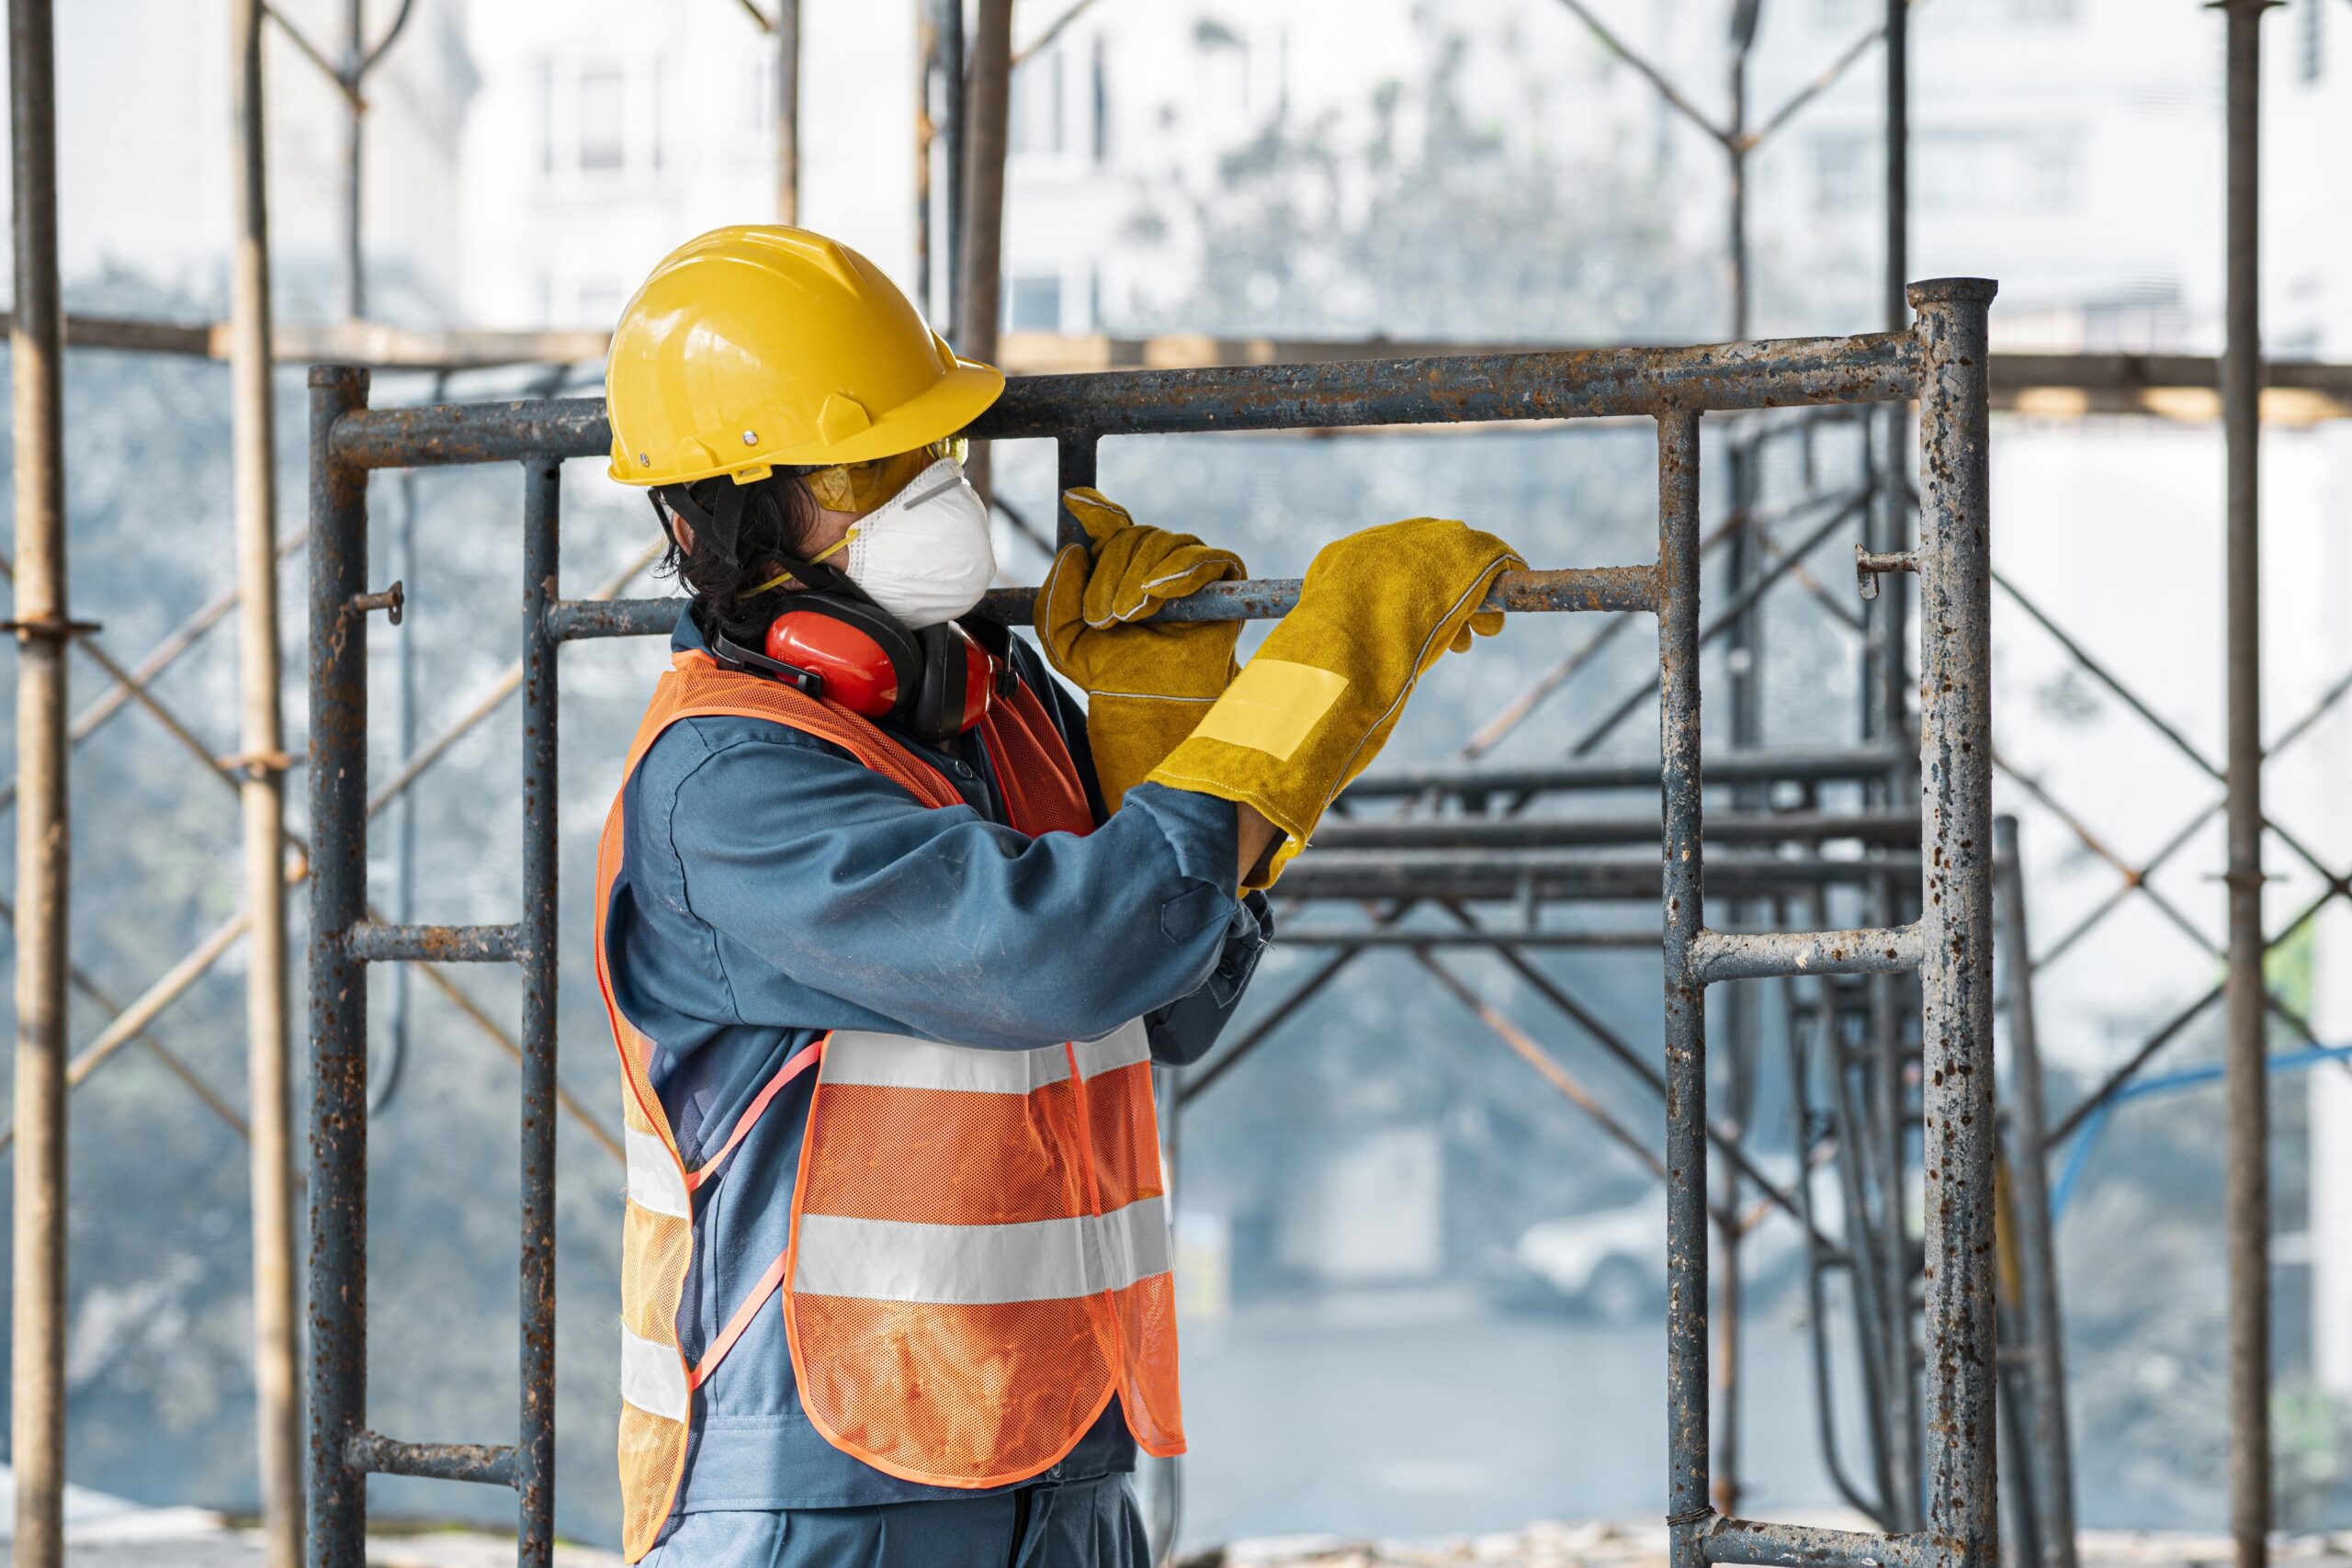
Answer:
(603, 118)
(1037, 115)
(598, 117)
(2313, 53)
(2052, 161)
(1841, 16)
(1840, 171)
(759, 96)
(1098, 90)
(1033, 302)
(1995, 170)
(1999, 12)
(600, 302)
(547, 117)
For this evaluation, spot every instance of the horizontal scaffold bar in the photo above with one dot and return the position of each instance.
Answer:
(371, 942)
(372, 1453)
(1754, 955)
(1547, 384)
(1805, 1546)
(1758, 766)
(1557, 832)
(1498, 936)
(1257, 599)
(1490, 874)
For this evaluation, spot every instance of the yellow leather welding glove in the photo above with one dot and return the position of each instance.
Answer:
(1316, 704)
(1147, 683)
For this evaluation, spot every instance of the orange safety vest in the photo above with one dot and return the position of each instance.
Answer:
(978, 1256)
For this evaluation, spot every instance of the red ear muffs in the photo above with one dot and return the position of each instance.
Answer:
(867, 661)
(959, 680)
(937, 683)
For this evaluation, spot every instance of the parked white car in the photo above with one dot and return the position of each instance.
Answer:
(1611, 1264)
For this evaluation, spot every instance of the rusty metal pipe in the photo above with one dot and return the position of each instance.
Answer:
(262, 801)
(1687, 1504)
(44, 846)
(2049, 1447)
(1956, 918)
(372, 1453)
(1804, 1546)
(979, 262)
(1545, 384)
(2246, 1183)
(1558, 832)
(1520, 875)
(1758, 766)
(337, 779)
(373, 942)
(788, 111)
(1599, 588)
(1755, 955)
(536, 948)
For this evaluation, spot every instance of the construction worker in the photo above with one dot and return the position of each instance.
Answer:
(892, 933)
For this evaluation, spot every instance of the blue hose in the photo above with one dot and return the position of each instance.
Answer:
(2087, 1136)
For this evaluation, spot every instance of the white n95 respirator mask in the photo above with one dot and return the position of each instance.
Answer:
(924, 554)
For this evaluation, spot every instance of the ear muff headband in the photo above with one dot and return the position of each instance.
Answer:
(939, 695)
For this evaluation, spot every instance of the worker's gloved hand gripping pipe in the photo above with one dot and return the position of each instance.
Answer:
(1147, 684)
(1313, 707)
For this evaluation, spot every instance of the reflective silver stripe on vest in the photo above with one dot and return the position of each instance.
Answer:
(653, 1378)
(898, 1061)
(1122, 1047)
(896, 1260)
(654, 1183)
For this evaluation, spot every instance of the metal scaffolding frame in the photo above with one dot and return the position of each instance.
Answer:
(1940, 361)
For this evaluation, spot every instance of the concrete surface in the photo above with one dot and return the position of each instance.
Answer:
(1603, 1544)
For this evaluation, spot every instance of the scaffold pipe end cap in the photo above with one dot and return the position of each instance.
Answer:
(1950, 291)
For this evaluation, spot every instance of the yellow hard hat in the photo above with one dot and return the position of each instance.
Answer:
(752, 347)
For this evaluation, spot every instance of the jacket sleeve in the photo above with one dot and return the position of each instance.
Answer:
(1182, 1032)
(953, 926)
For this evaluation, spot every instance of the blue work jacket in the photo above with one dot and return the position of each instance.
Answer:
(772, 887)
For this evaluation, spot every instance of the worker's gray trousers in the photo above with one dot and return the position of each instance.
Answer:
(1079, 1524)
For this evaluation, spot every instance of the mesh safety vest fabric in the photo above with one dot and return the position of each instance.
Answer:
(978, 1257)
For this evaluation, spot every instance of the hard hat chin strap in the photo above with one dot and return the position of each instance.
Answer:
(722, 524)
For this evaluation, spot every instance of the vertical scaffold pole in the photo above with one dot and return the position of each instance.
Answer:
(44, 849)
(1887, 718)
(788, 111)
(1956, 912)
(981, 224)
(535, 1456)
(948, 28)
(1074, 467)
(276, 1337)
(1686, 999)
(338, 786)
(2050, 1444)
(2246, 1184)
(355, 147)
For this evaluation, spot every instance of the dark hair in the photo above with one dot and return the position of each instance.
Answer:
(778, 516)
